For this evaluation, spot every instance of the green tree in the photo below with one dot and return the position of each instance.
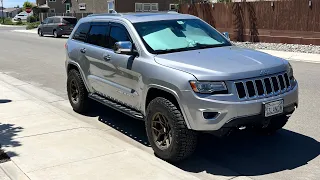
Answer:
(27, 4)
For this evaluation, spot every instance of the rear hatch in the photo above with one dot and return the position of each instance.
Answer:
(68, 23)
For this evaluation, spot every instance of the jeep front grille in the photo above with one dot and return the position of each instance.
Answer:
(262, 87)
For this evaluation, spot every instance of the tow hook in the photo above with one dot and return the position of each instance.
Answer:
(265, 123)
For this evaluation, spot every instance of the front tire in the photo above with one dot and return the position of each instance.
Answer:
(167, 131)
(77, 92)
(40, 33)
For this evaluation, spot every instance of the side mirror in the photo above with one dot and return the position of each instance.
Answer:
(123, 47)
(226, 34)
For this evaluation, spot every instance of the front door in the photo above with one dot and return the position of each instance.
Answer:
(124, 81)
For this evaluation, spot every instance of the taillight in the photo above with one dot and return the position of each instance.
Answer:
(62, 24)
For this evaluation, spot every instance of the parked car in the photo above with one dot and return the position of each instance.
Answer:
(21, 17)
(57, 26)
(179, 75)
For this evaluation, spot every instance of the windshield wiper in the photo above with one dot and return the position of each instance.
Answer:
(199, 45)
(163, 51)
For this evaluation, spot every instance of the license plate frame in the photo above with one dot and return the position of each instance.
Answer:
(272, 108)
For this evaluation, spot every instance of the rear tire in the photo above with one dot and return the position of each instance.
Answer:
(77, 92)
(275, 124)
(183, 140)
(55, 34)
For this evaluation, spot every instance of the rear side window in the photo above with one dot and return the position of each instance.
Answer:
(118, 34)
(81, 32)
(50, 20)
(56, 20)
(98, 35)
(69, 21)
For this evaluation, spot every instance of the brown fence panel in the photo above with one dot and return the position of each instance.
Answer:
(287, 21)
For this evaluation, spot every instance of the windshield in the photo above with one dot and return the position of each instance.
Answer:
(168, 36)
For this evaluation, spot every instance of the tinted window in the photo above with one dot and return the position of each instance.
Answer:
(81, 32)
(45, 21)
(69, 20)
(56, 20)
(50, 20)
(118, 34)
(98, 35)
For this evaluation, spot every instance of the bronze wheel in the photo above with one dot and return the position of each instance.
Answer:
(161, 131)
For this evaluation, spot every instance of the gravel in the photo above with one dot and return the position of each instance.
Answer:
(281, 47)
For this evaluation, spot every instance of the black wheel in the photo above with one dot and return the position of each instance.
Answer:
(167, 131)
(275, 124)
(77, 92)
(40, 32)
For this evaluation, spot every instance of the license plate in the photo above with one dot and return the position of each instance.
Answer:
(273, 108)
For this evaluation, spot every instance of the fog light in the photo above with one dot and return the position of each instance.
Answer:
(210, 115)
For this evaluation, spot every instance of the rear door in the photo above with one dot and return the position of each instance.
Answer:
(99, 67)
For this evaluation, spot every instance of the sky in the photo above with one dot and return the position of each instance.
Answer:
(12, 3)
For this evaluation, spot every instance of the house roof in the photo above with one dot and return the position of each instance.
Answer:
(11, 9)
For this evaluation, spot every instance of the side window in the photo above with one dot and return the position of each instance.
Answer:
(45, 21)
(98, 35)
(81, 32)
(56, 20)
(50, 20)
(118, 33)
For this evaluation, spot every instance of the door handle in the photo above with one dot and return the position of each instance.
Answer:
(107, 57)
(83, 50)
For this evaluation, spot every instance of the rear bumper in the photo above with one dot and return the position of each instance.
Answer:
(64, 32)
(230, 114)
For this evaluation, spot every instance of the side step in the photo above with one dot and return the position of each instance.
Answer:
(119, 107)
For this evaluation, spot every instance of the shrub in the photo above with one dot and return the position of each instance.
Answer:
(32, 25)
(31, 19)
(7, 21)
(19, 23)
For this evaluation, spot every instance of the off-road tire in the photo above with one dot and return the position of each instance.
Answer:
(82, 106)
(184, 140)
(275, 124)
(40, 33)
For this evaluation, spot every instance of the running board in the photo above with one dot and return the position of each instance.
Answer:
(117, 106)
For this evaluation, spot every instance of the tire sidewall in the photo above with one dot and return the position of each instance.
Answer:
(55, 34)
(154, 108)
(73, 76)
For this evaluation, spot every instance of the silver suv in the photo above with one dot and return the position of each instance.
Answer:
(179, 75)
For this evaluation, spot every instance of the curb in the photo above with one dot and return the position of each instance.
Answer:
(32, 31)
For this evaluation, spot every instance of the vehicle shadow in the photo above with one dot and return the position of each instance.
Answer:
(2, 101)
(244, 153)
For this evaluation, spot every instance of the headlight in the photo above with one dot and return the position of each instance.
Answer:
(209, 87)
(290, 71)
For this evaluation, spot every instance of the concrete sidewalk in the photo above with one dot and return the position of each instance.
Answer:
(45, 142)
(294, 56)
(31, 31)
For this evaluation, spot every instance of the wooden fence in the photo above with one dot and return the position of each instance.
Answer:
(289, 21)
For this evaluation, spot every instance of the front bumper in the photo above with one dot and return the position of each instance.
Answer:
(228, 112)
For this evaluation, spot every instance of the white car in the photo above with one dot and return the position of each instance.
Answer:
(21, 17)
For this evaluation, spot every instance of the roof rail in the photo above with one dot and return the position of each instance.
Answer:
(114, 13)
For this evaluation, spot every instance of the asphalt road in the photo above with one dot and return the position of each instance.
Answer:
(292, 153)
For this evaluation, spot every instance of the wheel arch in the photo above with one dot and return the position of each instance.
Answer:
(72, 65)
(161, 91)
